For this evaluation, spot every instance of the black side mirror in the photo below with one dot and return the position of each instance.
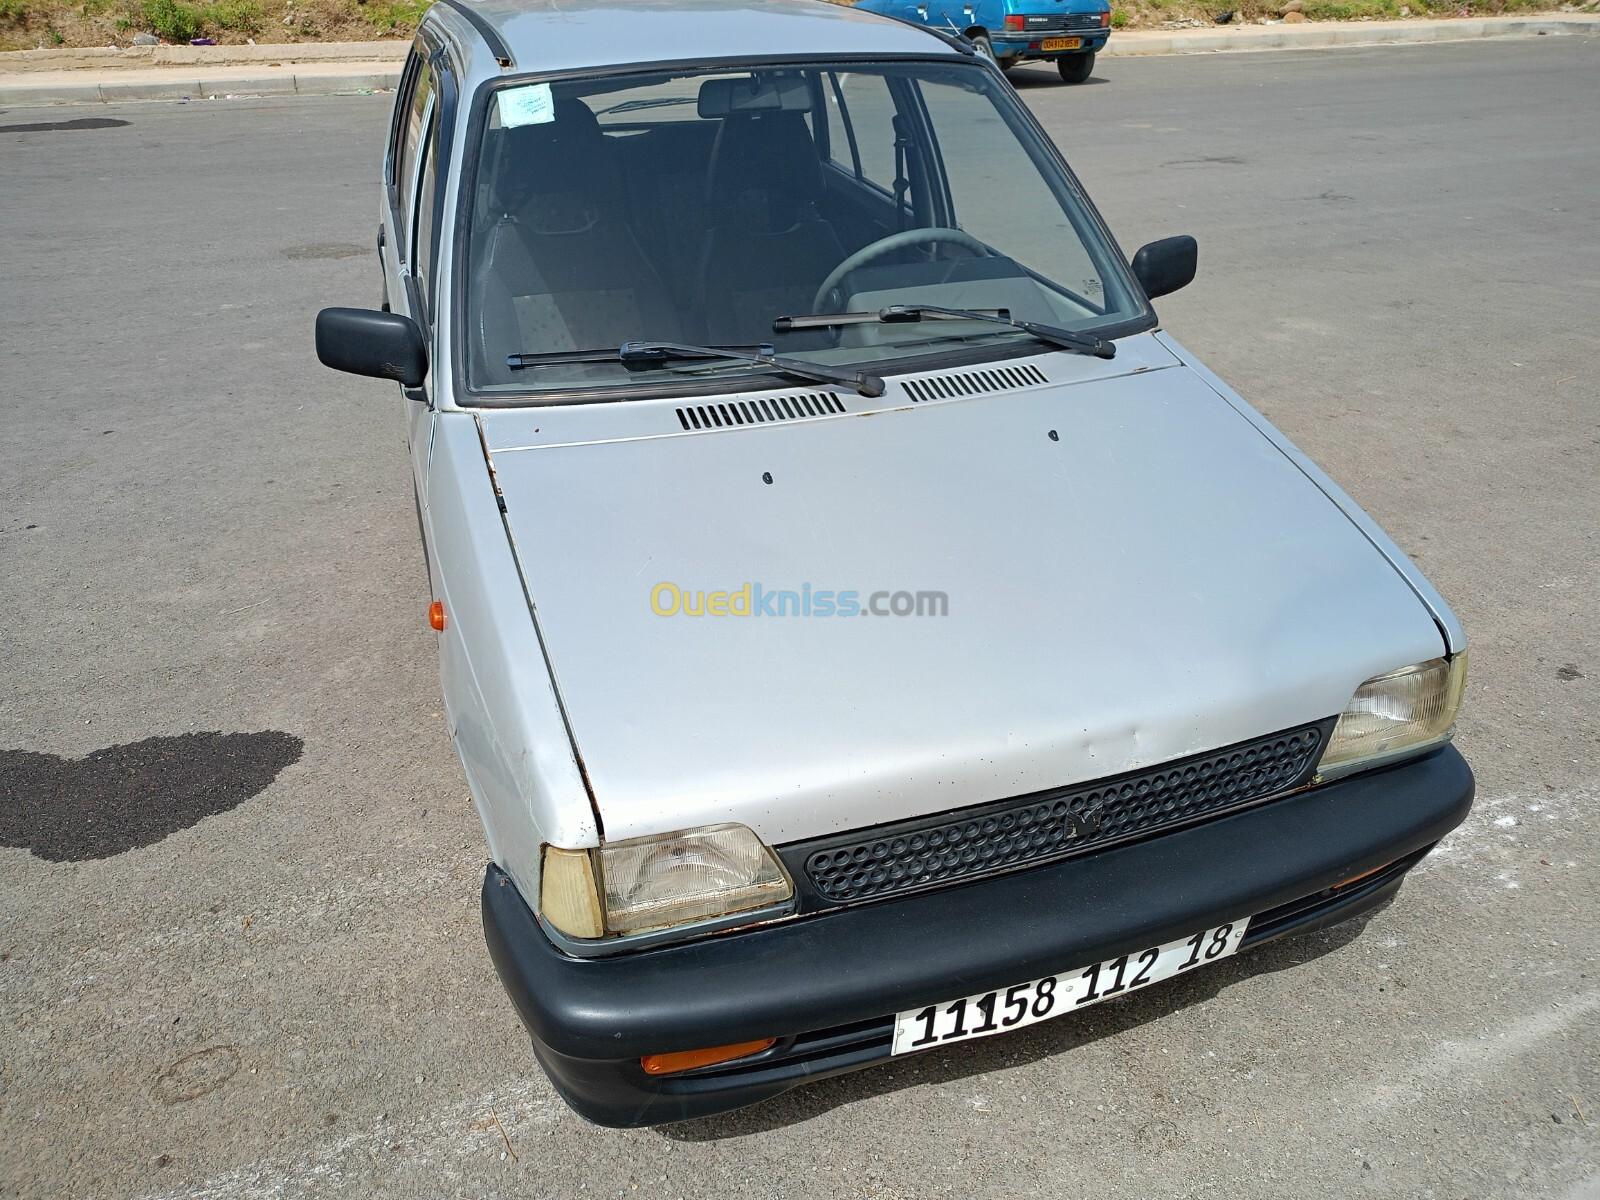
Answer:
(364, 341)
(1165, 266)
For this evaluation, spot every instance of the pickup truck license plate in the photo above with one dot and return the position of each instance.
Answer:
(1060, 43)
(1040, 999)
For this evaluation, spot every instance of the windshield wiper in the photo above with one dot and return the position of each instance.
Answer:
(644, 356)
(1078, 343)
(628, 106)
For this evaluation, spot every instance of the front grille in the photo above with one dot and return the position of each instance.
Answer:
(931, 852)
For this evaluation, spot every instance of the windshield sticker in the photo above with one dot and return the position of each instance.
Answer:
(531, 105)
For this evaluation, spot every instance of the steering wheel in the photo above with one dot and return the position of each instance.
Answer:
(888, 245)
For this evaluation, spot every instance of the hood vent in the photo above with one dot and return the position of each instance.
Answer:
(761, 412)
(974, 383)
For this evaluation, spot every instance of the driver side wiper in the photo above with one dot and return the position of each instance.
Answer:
(642, 356)
(1078, 343)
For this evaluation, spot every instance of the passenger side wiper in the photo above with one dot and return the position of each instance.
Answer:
(643, 356)
(1067, 339)
(628, 106)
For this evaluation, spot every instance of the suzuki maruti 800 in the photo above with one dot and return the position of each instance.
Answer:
(863, 629)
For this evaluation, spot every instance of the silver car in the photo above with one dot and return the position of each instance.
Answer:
(862, 628)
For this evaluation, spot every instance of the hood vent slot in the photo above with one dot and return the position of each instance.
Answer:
(974, 383)
(760, 412)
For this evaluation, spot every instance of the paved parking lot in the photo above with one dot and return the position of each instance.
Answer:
(203, 531)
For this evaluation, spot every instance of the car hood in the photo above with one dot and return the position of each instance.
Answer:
(1134, 573)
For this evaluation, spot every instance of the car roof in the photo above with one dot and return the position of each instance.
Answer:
(562, 35)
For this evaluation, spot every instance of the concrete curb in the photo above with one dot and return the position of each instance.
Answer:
(33, 79)
(133, 58)
(44, 89)
(1334, 34)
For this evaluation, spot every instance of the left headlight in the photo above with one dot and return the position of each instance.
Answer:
(1399, 713)
(659, 882)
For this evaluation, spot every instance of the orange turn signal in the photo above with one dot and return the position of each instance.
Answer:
(1344, 883)
(688, 1060)
(436, 616)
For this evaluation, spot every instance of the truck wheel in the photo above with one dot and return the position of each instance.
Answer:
(1075, 68)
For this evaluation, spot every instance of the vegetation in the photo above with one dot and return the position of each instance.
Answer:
(1153, 14)
(396, 16)
(171, 20)
(25, 24)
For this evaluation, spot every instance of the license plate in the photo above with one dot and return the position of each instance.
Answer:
(1040, 999)
(1060, 43)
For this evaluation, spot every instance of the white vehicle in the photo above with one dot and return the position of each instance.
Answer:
(862, 628)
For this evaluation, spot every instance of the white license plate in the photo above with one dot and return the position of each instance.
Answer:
(1040, 999)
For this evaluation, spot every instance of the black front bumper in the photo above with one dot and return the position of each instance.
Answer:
(828, 985)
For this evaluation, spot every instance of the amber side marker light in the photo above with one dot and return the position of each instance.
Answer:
(436, 616)
(1344, 883)
(688, 1060)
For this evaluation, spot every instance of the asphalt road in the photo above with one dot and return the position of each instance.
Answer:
(203, 530)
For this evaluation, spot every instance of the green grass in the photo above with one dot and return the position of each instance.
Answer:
(175, 21)
(1350, 10)
(13, 12)
(239, 16)
(171, 20)
(394, 16)
(1119, 18)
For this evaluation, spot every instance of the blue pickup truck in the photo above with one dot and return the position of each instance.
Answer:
(1067, 32)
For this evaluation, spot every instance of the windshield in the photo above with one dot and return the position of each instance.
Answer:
(700, 207)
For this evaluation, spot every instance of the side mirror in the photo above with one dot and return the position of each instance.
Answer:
(1165, 266)
(364, 341)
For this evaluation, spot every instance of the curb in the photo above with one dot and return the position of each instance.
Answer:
(37, 80)
(185, 85)
(1334, 35)
(281, 54)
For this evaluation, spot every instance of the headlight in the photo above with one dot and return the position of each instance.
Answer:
(658, 882)
(1401, 712)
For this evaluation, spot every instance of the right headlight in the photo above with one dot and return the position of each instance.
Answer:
(654, 883)
(1396, 714)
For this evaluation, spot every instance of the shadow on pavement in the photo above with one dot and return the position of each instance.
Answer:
(1043, 75)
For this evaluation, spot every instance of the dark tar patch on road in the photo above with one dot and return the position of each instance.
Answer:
(124, 797)
(58, 126)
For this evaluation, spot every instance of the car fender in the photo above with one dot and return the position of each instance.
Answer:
(503, 712)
